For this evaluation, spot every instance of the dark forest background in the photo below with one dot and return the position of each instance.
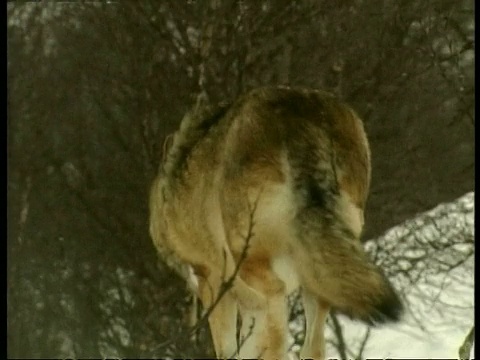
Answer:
(95, 87)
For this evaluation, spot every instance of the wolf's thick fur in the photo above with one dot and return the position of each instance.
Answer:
(297, 163)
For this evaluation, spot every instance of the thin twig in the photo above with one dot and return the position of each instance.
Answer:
(363, 343)
(337, 329)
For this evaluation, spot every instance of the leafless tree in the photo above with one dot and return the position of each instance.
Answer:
(94, 88)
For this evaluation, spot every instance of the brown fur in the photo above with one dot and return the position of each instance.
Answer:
(290, 167)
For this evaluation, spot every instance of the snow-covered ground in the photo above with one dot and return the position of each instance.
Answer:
(437, 250)
(438, 331)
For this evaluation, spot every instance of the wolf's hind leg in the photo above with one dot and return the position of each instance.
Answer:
(264, 330)
(316, 312)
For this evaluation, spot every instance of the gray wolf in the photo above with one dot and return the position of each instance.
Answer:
(269, 192)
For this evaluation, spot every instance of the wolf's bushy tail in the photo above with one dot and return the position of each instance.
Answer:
(343, 274)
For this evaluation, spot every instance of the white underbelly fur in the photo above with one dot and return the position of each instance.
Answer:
(283, 267)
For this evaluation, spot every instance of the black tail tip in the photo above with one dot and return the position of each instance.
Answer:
(389, 309)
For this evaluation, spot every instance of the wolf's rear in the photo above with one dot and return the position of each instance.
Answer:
(320, 150)
(273, 186)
